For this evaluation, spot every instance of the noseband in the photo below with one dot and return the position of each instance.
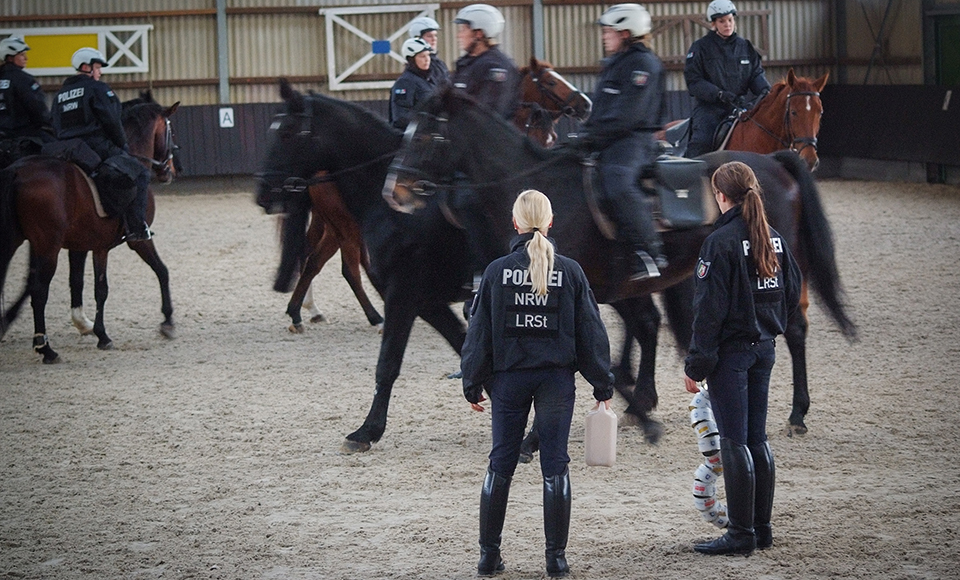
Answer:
(792, 144)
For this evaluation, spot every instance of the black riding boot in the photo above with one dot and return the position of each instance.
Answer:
(739, 483)
(556, 522)
(766, 476)
(493, 508)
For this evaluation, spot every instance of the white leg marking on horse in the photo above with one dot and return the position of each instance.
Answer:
(80, 321)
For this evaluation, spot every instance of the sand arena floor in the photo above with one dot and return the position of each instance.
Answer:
(215, 455)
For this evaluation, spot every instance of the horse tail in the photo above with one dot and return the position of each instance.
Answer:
(9, 233)
(678, 305)
(293, 240)
(816, 240)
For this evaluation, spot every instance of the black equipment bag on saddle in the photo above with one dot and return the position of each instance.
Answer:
(116, 179)
(75, 151)
(681, 184)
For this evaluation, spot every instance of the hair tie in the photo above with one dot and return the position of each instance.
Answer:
(536, 229)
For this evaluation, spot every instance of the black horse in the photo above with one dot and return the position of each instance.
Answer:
(417, 261)
(452, 133)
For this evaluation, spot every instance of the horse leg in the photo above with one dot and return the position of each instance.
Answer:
(350, 255)
(642, 322)
(796, 335)
(148, 253)
(401, 312)
(530, 443)
(78, 263)
(323, 251)
(310, 305)
(100, 291)
(42, 270)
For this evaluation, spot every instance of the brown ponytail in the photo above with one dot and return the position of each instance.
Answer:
(739, 184)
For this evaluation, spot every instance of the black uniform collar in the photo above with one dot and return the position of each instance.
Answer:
(9, 66)
(732, 213)
(727, 40)
(521, 240)
(77, 78)
(636, 46)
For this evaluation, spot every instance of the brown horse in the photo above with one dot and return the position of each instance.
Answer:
(49, 202)
(787, 118)
(331, 228)
(544, 92)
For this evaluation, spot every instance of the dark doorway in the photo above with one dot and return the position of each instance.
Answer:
(948, 50)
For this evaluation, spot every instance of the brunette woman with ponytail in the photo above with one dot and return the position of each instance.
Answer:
(747, 286)
(533, 324)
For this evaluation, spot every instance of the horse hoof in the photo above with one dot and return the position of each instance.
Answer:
(798, 430)
(54, 360)
(652, 432)
(296, 328)
(318, 318)
(455, 375)
(526, 457)
(108, 345)
(168, 331)
(350, 447)
(380, 328)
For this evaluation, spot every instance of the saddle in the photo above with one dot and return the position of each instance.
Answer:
(675, 190)
(76, 151)
(14, 148)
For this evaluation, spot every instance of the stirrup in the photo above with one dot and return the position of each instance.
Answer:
(649, 268)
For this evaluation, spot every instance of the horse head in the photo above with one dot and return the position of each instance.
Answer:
(147, 125)
(542, 85)
(791, 114)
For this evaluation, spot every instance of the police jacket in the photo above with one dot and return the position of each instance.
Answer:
(492, 78)
(438, 70)
(90, 110)
(23, 106)
(629, 98)
(512, 328)
(733, 307)
(716, 64)
(412, 88)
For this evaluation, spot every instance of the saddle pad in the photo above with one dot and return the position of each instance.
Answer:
(96, 196)
(681, 184)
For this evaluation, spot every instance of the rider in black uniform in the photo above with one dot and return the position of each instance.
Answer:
(627, 106)
(747, 287)
(415, 85)
(534, 324)
(722, 71)
(24, 115)
(427, 29)
(86, 108)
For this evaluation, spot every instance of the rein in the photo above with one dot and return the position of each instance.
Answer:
(807, 141)
(168, 146)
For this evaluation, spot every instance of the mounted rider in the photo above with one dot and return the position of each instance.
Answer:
(24, 116)
(86, 108)
(427, 29)
(415, 85)
(722, 71)
(627, 108)
(484, 71)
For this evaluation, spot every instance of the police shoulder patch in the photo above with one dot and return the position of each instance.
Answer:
(702, 269)
(498, 74)
(640, 78)
(690, 54)
(110, 93)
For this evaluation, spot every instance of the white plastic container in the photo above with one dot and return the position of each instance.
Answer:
(600, 437)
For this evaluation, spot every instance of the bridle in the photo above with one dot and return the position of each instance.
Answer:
(166, 165)
(792, 144)
(282, 182)
(563, 105)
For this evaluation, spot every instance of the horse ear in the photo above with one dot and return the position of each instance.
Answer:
(172, 109)
(534, 64)
(791, 77)
(286, 91)
(821, 82)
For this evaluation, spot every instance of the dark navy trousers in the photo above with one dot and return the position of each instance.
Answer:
(552, 393)
(739, 389)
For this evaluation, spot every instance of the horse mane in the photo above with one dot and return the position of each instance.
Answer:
(535, 64)
(138, 119)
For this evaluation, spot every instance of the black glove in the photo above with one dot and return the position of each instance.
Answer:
(740, 103)
(726, 97)
(473, 394)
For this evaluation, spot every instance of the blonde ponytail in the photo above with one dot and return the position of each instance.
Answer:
(532, 212)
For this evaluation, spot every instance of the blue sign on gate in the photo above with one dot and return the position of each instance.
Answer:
(381, 47)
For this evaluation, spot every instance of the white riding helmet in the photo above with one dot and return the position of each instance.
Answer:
(481, 17)
(87, 55)
(719, 9)
(12, 47)
(422, 24)
(632, 17)
(414, 46)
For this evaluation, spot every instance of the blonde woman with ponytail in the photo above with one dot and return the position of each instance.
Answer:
(747, 288)
(534, 323)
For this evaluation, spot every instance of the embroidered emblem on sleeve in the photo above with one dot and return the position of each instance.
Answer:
(702, 269)
(640, 78)
(498, 74)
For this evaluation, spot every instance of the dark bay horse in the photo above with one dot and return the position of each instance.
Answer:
(453, 134)
(546, 96)
(49, 203)
(418, 263)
